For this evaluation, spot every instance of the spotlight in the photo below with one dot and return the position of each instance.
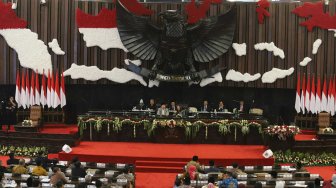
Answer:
(14, 4)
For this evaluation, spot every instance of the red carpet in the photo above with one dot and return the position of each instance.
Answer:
(325, 171)
(168, 155)
(303, 137)
(152, 180)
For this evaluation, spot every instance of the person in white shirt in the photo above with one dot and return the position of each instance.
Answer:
(163, 111)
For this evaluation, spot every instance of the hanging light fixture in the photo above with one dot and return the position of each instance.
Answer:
(43, 2)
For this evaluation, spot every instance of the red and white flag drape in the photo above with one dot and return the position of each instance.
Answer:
(18, 90)
(28, 93)
(63, 98)
(318, 96)
(307, 96)
(37, 89)
(43, 99)
(312, 106)
(324, 100)
(303, 94)
(297, 97)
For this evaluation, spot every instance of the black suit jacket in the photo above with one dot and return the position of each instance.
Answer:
(78, 172)
(211, 169)
(12, 161)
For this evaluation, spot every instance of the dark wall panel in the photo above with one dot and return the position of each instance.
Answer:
(57, 20)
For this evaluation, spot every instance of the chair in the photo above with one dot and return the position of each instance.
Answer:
(36, 116)
(256, 111)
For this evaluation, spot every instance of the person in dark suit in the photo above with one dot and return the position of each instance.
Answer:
(43, 160)
(205, 107)
(2, 168)
(11, 106)
(212, 167)
(12, 160)
(172, 106)
(221, 107)
(78, 171)
(241, 108)
(152, 106)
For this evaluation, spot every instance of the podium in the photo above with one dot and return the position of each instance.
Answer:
(323, 120)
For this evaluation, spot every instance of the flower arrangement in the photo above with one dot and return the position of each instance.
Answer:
(308, 159)
(191, 128)
(282, 131)
(27, 123)
(25, 151)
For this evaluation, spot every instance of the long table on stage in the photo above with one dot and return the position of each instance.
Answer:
(143, 126)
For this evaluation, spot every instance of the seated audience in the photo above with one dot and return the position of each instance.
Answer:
(211, 183)
(57, 176)
(229, 181)
(333, 180)
(126, 175)
(212, 167)
(192, 172)
(73, 161)
(186, 183)
(12, 160)
(44, 160)
(2, 168)
(38, 170)
(317, 183)
(59, 184)
(77, 171)
(311, 185)
(163, 111)
(235, 170)
(172, 106)
(274, 174)
(99, 184)
(20, 168)
(299, 167)
(177, 183)
(194, 162)
(205, 107)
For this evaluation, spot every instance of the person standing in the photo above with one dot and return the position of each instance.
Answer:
(11, 112)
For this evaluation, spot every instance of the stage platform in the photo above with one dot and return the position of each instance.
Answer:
(52, 136)
(166, 157)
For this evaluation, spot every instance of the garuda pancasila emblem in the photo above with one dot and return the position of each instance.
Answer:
(174, 46)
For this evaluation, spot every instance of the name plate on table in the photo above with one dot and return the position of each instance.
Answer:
(249, 168)
(46, 185)
(62, 163)
(122, 181)
(267, 168)
(263, 182)
(24, 176)
(203, 176)
(83, 164)
(121, 166)
(23, 184)
(101, 165)
(90, 186)
(242, 182)
(285, 167)
(268, 176)
(70, 185)
(8, 175)
(43, 177)
(313, 176)
(193, 183)
(81, 180)
(300, 182)
(242, 176)
(229, 167)
(287, 176)
(68, 171)
(109, 173)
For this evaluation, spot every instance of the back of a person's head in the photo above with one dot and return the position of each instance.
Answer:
(317, 182)
(74, 159)
(235, 165)
(30, 182)
(11, 155)
(38, 163)
(274, 174)
(98, 183)
(195, 158)
(298, 165)
(55, 169)
(211, 179)
(40, 153)
(211, 163)
(125, 170)
(36, 183)
(177, 182)
(59, 184)
(186, 180)
(258, 185)
(22, 162)
(77, 164)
